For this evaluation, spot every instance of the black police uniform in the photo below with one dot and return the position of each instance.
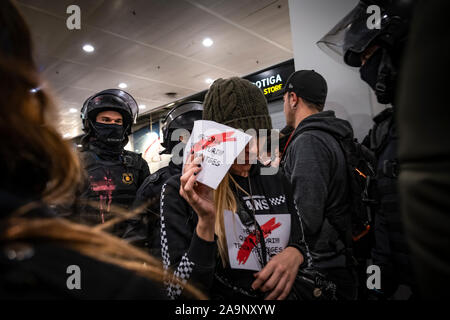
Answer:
(390, 250)
(112, 174)
(351, 38)
(113, 181)
(182, 116)
(149, 194)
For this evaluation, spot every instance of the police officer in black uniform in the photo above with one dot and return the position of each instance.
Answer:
(113, 175)
(376, 50)
(178, 125)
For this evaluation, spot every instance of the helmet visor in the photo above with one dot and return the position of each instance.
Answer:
(350, 37)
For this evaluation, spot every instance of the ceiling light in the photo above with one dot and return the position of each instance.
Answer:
(209, 81)
(122, 85)
(72, 110)
(142, 106)
(207, 42)
(171, 104)
(88, 48)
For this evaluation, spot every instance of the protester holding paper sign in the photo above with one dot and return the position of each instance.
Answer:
(240, 236)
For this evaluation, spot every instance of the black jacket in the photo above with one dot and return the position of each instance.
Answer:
(39, 269)
(315, 165)
(112, 181)
(196, 260)
(149, 194)
(390, 252)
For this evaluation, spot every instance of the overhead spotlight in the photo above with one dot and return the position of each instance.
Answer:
(123, 85)
(209, 81)
(207, 42)
(72, 110)
(34, 90)
(88, 48)
(142, 106)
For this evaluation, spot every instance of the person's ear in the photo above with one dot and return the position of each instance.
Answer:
(293, 100)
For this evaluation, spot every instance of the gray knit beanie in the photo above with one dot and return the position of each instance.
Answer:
(237, 103)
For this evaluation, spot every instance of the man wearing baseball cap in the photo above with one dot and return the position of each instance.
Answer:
(315, 164)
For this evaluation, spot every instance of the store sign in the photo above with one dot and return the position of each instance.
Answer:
(272, 81)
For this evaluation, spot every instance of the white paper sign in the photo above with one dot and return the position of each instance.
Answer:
(220, 146)
(241, 241)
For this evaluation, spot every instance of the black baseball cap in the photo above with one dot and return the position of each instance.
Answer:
(308, 85)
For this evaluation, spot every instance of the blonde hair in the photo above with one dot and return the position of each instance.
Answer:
(91, 242)
(38, 162)
(224, 199)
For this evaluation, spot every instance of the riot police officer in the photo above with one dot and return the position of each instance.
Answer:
(376, 50)
(178, 125)
(113, 175)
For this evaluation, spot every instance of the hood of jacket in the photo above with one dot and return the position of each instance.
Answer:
(325, 121)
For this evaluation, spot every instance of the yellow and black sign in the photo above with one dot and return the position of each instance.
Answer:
(273, 89)
(272, 80)
(127, 178)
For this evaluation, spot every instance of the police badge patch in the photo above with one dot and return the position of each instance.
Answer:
(127, 178)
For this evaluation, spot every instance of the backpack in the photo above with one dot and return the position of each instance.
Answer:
(360, 162)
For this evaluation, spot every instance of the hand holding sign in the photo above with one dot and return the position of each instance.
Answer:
(199, 196)
(220, 145)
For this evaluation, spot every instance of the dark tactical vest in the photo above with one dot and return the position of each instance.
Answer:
(110, 183)
(391, 248)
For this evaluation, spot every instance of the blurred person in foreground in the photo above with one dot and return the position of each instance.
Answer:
(39, 169)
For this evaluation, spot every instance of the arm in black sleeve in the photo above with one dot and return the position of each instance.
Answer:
(308, 166)
(297, 237)
(145, 171)
(186, 257)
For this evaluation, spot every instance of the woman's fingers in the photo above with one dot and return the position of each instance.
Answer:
(281, 290)
(193, 160)
(189, 186)
(185, 177)
(189, 160)
(188, 181)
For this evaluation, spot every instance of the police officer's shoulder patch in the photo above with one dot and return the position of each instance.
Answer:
(127, 178)
(154, 177)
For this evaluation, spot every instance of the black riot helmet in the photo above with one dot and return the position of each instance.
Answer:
(182, 116)
(360, 31)
(110, 99)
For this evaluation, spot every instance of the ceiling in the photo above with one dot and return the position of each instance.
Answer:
(154, 46)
